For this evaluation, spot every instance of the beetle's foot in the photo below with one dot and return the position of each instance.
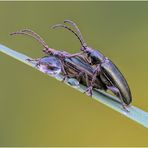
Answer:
(125, 107)
(88, 91)
(36, 60)
(29, 60)
(33, 59)
(64, 79)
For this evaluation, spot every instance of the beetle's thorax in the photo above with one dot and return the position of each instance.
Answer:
(96, 56)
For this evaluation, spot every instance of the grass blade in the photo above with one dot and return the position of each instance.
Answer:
(134, 113)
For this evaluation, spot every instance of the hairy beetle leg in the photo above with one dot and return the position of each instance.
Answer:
(64, 72)
(116, 91)
(65, 78)
(37, 59)
(72, 55)
(125, 108)
(90, 88)
(89, 91)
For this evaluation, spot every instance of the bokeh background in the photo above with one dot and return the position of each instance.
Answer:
(36, 110)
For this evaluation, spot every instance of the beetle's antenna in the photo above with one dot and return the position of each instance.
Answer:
(31, 33)
(78, 31)
(68, 28)
(34, 34)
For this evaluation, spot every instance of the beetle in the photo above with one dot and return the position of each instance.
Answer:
(109, 73)
(70, 65)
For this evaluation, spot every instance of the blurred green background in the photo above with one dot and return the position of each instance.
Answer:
(36, 110)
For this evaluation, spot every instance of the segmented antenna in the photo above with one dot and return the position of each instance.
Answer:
(31, 33)
(34, 34)
(68, 28)
(78, 31)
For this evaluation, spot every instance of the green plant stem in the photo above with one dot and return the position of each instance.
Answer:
(134, 113)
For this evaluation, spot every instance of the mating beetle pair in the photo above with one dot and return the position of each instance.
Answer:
(96, 70)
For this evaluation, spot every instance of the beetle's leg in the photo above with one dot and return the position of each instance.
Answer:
(88, 91)
(74, 55)
(67, 55)
(64, 71)
(79, 76)
(95, 73)
(116, 91)
(36, 59)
